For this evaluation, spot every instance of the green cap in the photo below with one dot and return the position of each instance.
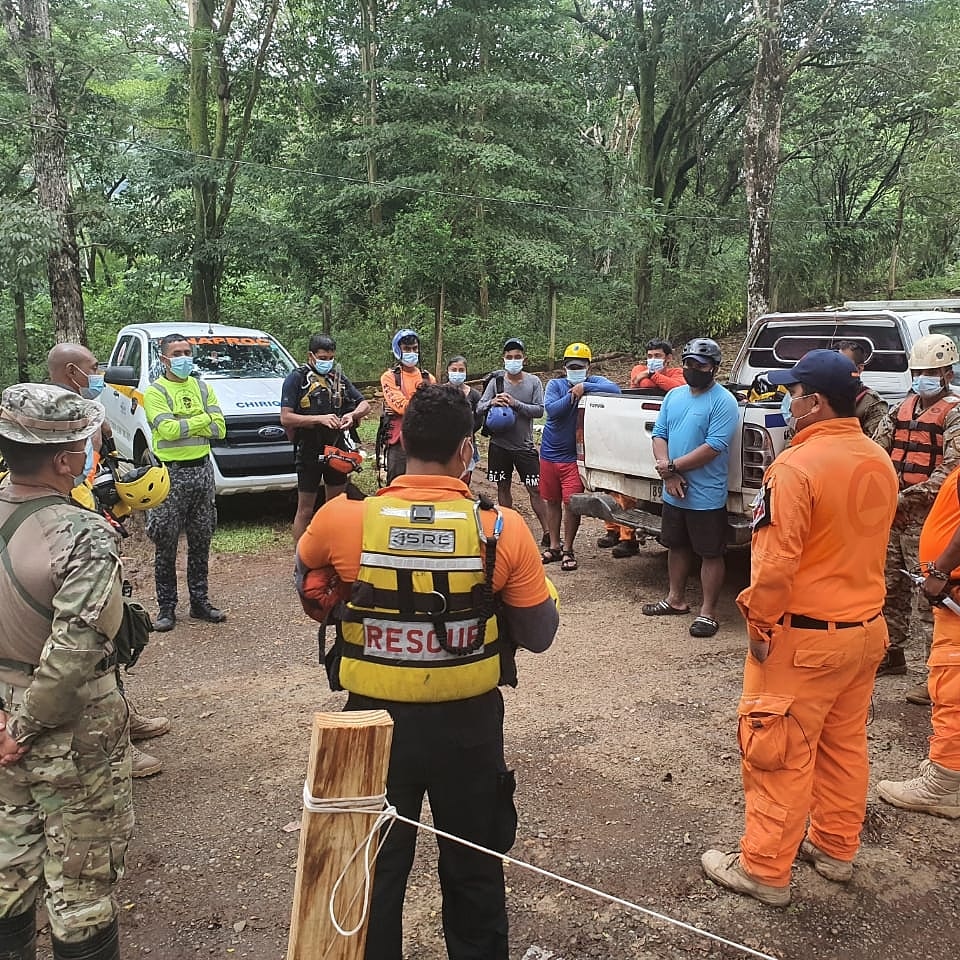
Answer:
(44, 413)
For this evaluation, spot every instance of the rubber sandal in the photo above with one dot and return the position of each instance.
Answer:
(569, 561)
(663, 609)
(551, 555)
(704, 627)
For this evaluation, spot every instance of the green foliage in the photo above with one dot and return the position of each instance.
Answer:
(249, 538)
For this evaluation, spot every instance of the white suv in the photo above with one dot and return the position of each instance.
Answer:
(246, 369)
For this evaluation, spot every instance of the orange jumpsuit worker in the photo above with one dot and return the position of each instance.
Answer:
(654, 373)
(816, 630)
(398, 385)
(937, 788)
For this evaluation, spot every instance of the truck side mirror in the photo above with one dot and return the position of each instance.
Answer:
(123, 376)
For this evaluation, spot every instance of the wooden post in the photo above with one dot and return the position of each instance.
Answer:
(349, 756)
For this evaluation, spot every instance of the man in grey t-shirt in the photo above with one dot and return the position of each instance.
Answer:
(513, 448)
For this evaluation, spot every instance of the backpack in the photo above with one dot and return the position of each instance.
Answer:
(497, 375)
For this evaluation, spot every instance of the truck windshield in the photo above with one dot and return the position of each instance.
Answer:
(782, 344)
(233, 358)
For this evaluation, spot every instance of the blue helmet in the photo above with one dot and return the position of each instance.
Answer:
(404, 334)
(500, 419)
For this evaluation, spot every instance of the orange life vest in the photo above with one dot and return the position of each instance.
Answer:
(918, 439)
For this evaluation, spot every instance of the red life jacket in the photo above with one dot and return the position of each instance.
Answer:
(918, 439)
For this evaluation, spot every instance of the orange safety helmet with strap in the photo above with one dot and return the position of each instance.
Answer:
(918, 438)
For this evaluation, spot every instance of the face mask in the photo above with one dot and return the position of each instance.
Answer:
(79, 478)
(457, 376)
(927, 386)
(410, 359)
(94, 387)
(655, 364)
(323, 367)
(786, 409)
(698, 379)
(576, 374)
(513, 366)
(181, 367)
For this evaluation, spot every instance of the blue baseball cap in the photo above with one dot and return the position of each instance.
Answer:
(824, 371)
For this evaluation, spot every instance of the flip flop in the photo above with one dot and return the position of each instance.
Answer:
(704, 627)
(551, 555)
(569, 561)
(663, 609)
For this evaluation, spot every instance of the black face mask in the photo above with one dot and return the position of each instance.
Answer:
(698, 379)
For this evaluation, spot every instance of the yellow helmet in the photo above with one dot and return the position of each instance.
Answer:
(83, 495)
(552, 590)
(577, 351)
(144, 488)
(933, 350)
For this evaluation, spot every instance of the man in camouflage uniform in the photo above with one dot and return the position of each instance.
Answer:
(922, 436)
(871, 408)
(184, 416)
(66, 809)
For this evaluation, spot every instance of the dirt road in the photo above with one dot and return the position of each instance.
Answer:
(623, 738)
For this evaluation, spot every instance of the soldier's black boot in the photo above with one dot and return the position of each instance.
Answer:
(104, 945)
(18, 936)
(205, 610)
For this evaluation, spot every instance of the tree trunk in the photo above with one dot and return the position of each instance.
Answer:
(438, 331)
(20, 330)
(895, 248)
(552, 349)
(30, 34)
(761, 152)
(368, 62)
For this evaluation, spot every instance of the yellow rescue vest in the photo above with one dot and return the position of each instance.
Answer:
(419, 625)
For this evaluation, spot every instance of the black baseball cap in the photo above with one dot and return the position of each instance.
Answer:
(825, 371)
(513, 343)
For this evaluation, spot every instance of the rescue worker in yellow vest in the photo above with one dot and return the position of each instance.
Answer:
(923, 438)
(185, 416)
(418, 638)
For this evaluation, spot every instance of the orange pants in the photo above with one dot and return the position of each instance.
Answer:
(628, 503)
(944, 687)
(803, 744)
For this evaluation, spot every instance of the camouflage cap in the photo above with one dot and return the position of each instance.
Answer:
(44, 413)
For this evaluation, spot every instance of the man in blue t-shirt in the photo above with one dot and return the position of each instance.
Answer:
(691, 444)
(559, 474)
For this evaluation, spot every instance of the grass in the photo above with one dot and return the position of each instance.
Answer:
(246, 537)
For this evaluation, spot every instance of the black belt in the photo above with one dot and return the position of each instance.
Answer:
(187, 463)
(812, 623)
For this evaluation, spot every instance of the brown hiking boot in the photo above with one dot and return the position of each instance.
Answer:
(143, 764)
(839, 871)
(725, 869)
(894, 663)
(936, 791)
(919, 695)
(146, 728)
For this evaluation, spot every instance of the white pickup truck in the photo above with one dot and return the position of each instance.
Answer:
(246, 369)
(614, 449)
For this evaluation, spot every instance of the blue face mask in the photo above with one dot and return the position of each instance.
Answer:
(457, 376)
(927, 386)
(323, 367)
(513, 366)
(94, 387)
(409, 359)
(786, 408)
(576, 374)
(181, 367)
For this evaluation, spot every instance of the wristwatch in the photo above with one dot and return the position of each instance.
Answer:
(671, 467)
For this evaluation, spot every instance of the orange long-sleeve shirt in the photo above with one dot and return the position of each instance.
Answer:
(396, 398)
(665, 379)
(821, 524)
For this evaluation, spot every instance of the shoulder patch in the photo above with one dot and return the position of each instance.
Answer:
(762, 508)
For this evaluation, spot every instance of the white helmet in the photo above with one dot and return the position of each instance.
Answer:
(934, 350)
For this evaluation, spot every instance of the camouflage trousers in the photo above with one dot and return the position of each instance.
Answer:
(66, 816)
(190, 508)
(904, 610)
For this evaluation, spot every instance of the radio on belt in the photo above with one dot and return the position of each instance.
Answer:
(421, 513)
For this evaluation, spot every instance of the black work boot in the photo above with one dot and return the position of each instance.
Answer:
(893, 664)
(166, 618)
(625, 548)
(18, 936)
(205, 610)
(104, 945)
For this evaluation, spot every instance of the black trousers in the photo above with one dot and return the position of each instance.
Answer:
(453, 752)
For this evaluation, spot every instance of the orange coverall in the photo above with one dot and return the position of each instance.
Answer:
(665, 380)
(821, 523)
(941, 526)
(396, 398)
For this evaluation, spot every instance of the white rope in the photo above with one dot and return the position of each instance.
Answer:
(387, 814)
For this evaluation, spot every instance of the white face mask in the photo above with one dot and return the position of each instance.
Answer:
(457, 376)
(513, 366)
